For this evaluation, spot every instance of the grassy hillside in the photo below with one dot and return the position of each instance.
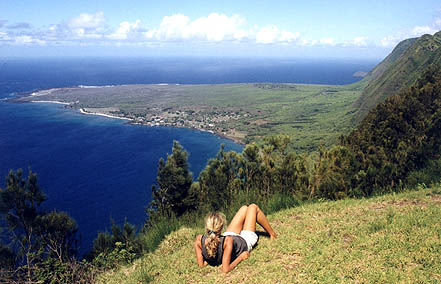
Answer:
(398, 71)
(388, 239)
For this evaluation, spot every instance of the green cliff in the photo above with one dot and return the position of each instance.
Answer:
(398, 71)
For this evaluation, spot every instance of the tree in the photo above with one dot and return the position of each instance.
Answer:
(20, 201)
(220, 180)
(38, 237)
(172, 194)
(58, 232)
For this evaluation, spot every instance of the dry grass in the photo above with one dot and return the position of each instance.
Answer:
(388, 239)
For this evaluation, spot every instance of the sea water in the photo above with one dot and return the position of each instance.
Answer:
(97, 168)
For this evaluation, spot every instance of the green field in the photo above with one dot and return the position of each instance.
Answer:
(310, 114)
(388, 239)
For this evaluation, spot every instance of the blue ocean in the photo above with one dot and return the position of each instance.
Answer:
(100, 169)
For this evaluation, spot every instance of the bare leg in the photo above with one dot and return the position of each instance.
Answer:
(254, 214)
(236, 225)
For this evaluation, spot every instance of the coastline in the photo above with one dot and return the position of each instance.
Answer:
(51, 102)
(83, 111)
(179, 118)
(132, 121)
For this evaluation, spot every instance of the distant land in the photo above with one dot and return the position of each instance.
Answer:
(360, 74)
(244, 113)
(247, 112)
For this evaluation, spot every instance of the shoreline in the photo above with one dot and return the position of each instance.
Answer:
(51, 102)
(83, 111)
(132, 122)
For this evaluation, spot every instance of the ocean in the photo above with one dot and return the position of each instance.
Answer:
(100, 169)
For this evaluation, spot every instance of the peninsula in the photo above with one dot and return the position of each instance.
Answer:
(310, 114)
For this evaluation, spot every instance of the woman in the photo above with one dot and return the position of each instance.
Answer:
(233, 246)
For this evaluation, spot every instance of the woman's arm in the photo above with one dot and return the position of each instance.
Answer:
(198, 250)
(226, 258)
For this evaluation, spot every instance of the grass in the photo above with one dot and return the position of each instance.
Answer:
(393, 238)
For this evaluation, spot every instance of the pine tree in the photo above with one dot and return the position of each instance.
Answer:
(20, 204)
(172, 194)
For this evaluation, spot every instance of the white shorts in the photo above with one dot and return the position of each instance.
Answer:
(250, 237)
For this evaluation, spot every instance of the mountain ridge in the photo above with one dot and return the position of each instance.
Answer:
(399, 70)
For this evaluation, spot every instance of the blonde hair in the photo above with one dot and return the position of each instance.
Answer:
(214, 223)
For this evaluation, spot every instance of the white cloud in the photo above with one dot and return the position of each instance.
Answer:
(4, 36)
(327, 41)
(360, 41)
(267, 34)
(88, 21)
(421, 30)
(272, 34)
(127, 30)
(87, 25)
(393, 40)
(214, 27)
(390, 41)
(27, 40)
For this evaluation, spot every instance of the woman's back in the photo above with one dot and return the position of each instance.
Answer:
(239, 246)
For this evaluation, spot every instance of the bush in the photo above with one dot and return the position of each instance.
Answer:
(429, 175)
(156, 232)
(280, 201)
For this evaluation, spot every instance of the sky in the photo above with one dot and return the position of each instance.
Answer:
(227, 28)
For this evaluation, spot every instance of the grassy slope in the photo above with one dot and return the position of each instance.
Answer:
(398, 70)
(387, 239)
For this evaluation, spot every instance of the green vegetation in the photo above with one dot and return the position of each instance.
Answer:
(389, 239)
(310, 114)
(377, 157)
(398, 71)
(43, 245)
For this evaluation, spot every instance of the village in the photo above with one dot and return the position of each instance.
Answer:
(211, 120)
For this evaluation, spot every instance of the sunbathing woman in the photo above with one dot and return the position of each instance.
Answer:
(235, 244)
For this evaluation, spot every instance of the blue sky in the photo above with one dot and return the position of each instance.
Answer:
(313, 28)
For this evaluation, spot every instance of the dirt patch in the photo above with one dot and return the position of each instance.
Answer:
(436, 199)
(260, 122)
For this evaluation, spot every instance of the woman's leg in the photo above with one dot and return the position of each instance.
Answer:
(253, 215)
(236, 225)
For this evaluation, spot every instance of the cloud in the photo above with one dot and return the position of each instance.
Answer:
(87, 25)
(18, 26)
(217, 28)
(417, 31)
(2, 23)
(421, 30)
(360, 41)
(4, 36)
(327, 41)
(272, 34)
(127, 30)
(213, 28)
(27, 40)
(88, 21)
